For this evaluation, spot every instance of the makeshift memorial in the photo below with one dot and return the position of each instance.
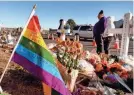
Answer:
(74, 59)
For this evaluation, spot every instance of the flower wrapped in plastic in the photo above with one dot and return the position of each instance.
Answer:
(92, 58)
(69, 52)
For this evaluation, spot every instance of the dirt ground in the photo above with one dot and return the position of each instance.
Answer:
(17, 81)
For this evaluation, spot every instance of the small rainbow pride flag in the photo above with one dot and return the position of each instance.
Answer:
(33, 54)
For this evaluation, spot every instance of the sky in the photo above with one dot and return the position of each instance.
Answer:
(16, 13)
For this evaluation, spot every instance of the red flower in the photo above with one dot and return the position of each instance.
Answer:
(124, 74)
(92, 61)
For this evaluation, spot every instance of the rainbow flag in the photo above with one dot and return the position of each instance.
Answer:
(33, 54)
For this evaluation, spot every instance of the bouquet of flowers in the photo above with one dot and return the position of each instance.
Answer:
(108, 66)
(113, 70)
(69, 53)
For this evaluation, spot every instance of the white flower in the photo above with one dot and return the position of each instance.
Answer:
(87, 54)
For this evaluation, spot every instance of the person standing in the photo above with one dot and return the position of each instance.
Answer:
(60, 28)
(98, 31)
(107, 36)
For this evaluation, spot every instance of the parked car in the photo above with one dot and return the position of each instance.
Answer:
(83, 31)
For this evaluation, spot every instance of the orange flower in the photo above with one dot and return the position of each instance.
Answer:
(115, 65)
(72, 50)
(68, 43)
(99, 67)
(79, 45)
(63, 43)
(58, 40)
(71, 44)
(124, 74)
